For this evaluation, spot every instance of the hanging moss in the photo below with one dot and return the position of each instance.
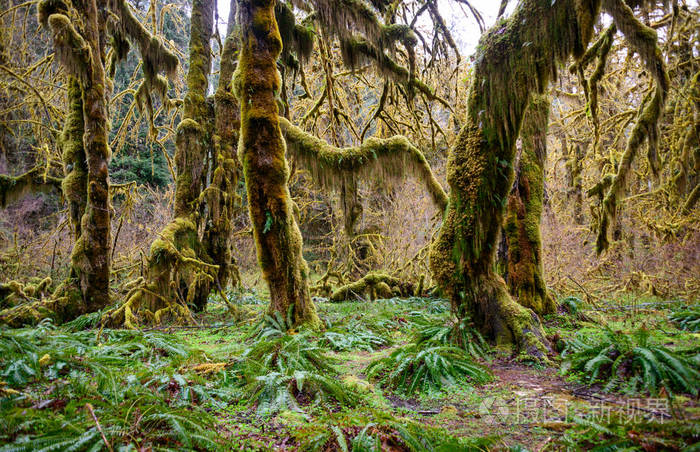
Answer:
(262, 153)
(13, 188)
(72, 50)
(525, 273)
(372, 286)
(600, 49)
(155, 57)
(515, 59)
(387, 160)
(643, 40)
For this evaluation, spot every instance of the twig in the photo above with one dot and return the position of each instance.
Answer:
(104, 438)
(588, 296)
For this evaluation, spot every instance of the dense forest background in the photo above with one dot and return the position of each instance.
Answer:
(654, 247)
(533, 203)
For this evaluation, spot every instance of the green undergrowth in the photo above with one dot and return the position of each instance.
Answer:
(687, 318)
(363, 383)
(59, 389)
(426, 367)
(619, 434)
(631, 363)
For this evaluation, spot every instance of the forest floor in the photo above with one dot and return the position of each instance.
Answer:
(71, 388)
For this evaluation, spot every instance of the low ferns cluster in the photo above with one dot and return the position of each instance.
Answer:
(55, 384)
(630, 363)
(284, 369)
(459, 333)
(426, 367)
(353, 337)
(352, 433)
(687, 319)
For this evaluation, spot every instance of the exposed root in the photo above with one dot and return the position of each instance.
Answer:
(66, 303)
(372, 286)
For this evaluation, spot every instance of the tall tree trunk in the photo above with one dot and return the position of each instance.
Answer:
(91, 258)
(525, 274)
(517, 59)
(180, 272)
(262, 152)
(222, 199)
(574, 193)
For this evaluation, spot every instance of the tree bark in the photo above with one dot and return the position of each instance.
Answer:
(222, 199)
(517, 58)
(262, 153)
(525, 274)
(91, 254)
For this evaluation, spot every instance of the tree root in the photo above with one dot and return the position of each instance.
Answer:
(372, 286)
(144, 305)
(66, 303)
(506, 322)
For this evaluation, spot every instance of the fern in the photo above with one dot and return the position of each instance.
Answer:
(426, 367)
(630, 363)
(279, 371)
(354, 339)
(461, 334)
(687, 319)
(84, 322)
(117, 372)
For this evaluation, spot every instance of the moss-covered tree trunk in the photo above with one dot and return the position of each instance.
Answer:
(574, 193)
(516, 59)
(194, 135)
(91, 254)
(222, 198)
(262, 152)
(521, 228)
(74, 163)
(180, 272)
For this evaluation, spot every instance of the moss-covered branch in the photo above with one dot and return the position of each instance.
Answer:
(641, 39)
(384, 159)
(14, 188)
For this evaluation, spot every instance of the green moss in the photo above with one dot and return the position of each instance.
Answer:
(644, 41)
(516, 58)
(262, 153)
(371, 286)
(386, 160)
(74, 161)
(525, 273)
